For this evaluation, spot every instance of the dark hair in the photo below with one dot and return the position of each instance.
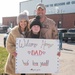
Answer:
(26, 29)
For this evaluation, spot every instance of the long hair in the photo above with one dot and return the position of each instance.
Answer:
(25, 30)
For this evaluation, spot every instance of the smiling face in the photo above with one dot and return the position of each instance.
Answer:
(23, 23)
(35, 29)
(41, 12)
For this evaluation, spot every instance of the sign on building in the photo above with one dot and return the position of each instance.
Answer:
(52, 6)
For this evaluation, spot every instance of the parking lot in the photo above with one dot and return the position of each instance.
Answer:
(67, 58)
(66, 46)
(70, 47)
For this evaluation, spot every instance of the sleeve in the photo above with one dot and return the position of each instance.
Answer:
(10, 44)
(55, 32)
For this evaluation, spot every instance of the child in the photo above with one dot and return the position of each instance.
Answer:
(35, 28)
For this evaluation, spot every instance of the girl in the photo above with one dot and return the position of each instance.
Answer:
(35, 28)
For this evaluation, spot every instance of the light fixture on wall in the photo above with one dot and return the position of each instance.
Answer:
(56, 10)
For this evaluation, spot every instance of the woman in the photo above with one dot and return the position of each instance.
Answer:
(19, 31)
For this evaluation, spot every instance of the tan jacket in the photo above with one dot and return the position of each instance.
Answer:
(49, 29)
(11, 47)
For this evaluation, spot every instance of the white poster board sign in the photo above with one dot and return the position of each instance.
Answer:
(37, 55)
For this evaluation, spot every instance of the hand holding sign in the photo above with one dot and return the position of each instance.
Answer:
(37, 55)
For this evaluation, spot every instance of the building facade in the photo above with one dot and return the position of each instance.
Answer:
(61, 11)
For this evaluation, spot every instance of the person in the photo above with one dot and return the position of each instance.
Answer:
(19, 31)
(35, 32)
(35, 28)
(49, 27)
(60, 39)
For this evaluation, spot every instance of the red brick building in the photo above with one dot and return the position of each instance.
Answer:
(11, 21)
(62, 20)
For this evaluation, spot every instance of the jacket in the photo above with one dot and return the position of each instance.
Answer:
(49, 29)
(11, 47)
(31, 35)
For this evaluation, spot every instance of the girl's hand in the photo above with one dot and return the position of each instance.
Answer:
(58, 54)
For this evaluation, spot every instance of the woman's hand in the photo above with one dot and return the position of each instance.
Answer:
(14, 54)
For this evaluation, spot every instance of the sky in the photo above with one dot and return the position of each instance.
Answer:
(9, 8)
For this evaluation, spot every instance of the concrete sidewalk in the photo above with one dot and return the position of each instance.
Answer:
(67, 60)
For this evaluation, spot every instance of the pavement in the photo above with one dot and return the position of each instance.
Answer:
(67, 60)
